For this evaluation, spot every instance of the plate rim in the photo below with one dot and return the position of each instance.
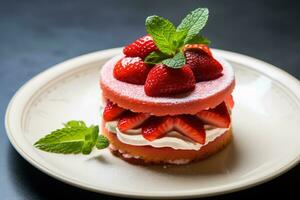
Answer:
(292, 83)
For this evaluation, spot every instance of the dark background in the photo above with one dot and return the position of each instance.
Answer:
(35, 35)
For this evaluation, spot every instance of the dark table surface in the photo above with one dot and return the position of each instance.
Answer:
(35, 35)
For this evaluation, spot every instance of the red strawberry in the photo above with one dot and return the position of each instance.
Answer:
(218, 116)
(112, 111)
(198, 46)
(165, 81)
(141, 47)
(191, 127)
(204, 67)
(157, 127)
(229, 101)
(131, 70)
(131, 120)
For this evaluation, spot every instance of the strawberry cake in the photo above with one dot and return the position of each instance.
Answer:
(167, 97)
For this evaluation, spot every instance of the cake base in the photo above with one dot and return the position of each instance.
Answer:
(147, 155)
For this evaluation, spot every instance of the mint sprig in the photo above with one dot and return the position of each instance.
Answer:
(156, 57)
(178, 38)
(102, 142)
(170, 40)
(176, 62)
(193, 23)
(162, 31)
(74, 138)
(198, 39)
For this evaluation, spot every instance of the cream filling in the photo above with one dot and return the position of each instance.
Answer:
(172, 139)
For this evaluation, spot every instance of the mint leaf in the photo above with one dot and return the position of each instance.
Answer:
(178, 38)
(102, 142)
(162, 31)
(90, 139)
(74, 124)
(194, 22)
(197, 39)
(176, 62)
(74, 138)
(155, 57)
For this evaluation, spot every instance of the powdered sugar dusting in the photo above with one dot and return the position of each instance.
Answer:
(202, 90)
(206, 94)
(130, 60)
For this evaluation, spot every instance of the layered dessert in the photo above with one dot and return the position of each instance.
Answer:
(167, 97)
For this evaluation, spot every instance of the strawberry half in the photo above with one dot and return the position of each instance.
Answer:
(157, 127)
(132, 120)
(141, 47)
(229, 101)
(198, 46)
(165, 81)
(112, 111)
(131, 70)
(191, 127)
(204, 66)
(218, 116)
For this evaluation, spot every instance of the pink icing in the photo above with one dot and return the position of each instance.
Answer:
(210, 93)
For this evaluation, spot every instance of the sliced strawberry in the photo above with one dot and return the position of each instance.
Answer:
(229, 101)
(131, 70)
(218, 116)
(141, 47)
(198, 47)
(165, 81)
(157, 127)
(191, 127)
(204, 67)
(112, 111)
(131, 120)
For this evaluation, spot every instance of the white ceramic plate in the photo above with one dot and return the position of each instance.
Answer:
(265, 122)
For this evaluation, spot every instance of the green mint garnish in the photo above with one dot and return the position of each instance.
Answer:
(170, 40)
(156, 57)
(193, 23)
(102, 142)
(162, 31)
(176, 62)
(75, 137)
(178, 38)
(198, 39)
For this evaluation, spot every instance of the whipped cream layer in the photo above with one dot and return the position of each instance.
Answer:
(172, 139)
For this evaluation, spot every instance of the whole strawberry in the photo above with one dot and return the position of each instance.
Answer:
(165, 81)
(204, 66)
(131, 70)
(141, 47)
